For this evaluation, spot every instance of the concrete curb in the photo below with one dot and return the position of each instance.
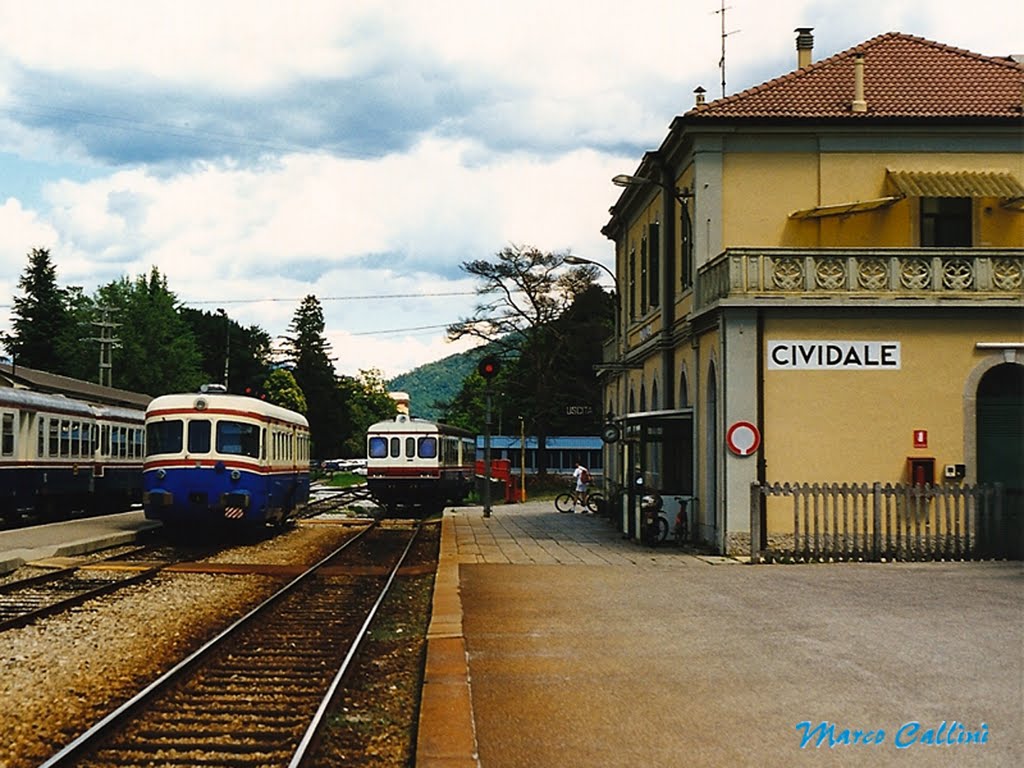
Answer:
(446, 735)
(16, 558)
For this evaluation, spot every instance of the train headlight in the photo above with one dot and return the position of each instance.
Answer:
(161, 474)
(235, 474)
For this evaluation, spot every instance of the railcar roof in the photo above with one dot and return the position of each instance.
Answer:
(402, 423)
(25, 398)
(222, 401)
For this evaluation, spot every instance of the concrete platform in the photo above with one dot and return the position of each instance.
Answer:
(70, 537)
(554, 641)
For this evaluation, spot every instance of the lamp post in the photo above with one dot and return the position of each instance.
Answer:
(619, 335)
(522, 460)
(227, 343)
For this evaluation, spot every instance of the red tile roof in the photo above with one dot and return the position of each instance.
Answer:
(904, 77)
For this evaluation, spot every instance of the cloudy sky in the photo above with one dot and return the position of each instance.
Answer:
(258, 151)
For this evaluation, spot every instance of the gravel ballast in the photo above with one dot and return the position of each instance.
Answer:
(62, 673)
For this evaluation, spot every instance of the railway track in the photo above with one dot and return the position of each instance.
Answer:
(256, 694)
(26, 600)
(329, 500)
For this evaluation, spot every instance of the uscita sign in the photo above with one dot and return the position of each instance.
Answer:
(833, 355)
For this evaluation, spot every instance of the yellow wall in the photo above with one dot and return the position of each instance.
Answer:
(638, 230)
(761, 190)
(857, 426)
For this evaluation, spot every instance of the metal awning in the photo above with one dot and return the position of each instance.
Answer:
(679, 414)
(842, 209)
(999, 184)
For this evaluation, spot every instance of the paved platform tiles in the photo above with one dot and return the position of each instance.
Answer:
(555, 641)
(533, 533)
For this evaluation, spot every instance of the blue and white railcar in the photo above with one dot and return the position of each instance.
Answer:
(59, 455)
(213, 457)
(418, 464)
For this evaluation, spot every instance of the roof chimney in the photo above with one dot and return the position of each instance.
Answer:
(859, 104)
(804, 46)
(699, 92)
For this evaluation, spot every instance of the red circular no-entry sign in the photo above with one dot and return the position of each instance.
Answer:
(743, 438)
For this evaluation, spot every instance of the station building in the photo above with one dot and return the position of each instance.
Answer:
(821, 280)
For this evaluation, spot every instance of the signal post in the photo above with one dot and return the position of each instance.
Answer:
(487, 368)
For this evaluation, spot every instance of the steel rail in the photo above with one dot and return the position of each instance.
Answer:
(302, 751)
(89, 738)
(106, 586)
(51, 581)
(35, 581)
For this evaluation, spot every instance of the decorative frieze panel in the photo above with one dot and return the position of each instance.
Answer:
(869, 273)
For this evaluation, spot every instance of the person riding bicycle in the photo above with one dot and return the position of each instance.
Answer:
(582, 477)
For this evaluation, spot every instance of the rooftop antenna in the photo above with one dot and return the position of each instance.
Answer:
(721, 62)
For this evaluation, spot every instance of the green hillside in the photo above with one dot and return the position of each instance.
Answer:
(437, 382)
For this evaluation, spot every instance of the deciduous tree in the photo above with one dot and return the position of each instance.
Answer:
(156, 351)
(527, 294)
(280, 388)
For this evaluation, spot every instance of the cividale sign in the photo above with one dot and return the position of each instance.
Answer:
(807, 355)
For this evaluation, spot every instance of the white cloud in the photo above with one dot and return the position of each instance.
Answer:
(242, 44)
(329, 227)
(471, 126)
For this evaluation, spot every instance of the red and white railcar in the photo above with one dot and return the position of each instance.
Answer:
(418, 465)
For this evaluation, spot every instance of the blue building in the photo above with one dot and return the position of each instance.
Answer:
(562, 452)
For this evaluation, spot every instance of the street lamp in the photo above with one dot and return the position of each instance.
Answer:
(579, 261)
(625, 180)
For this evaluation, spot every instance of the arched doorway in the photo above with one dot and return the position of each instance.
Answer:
(1000, 447)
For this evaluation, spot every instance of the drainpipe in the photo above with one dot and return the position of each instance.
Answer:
(762, 464)
(666, 284)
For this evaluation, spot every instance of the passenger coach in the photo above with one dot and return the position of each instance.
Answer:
(214, 457)
(60, 455)
(418, 465)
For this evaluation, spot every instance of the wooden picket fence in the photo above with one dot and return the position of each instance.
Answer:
(872, 522)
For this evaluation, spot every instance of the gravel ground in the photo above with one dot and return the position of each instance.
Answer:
(66, 671)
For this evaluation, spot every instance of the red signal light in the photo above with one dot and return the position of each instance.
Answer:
(488, 367)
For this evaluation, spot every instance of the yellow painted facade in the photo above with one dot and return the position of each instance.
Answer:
(798, 230)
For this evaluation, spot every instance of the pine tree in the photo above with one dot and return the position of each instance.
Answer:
(308, 355)
(40, 316)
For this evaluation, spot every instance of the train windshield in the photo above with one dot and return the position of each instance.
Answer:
(164, 436)
(199, 436)
(378, 448)
(428, 448)
(238, 438)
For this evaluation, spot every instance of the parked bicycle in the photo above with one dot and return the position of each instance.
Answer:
(681, 529)
(568, 501)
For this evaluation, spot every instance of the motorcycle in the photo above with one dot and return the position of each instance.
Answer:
(655, 527)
